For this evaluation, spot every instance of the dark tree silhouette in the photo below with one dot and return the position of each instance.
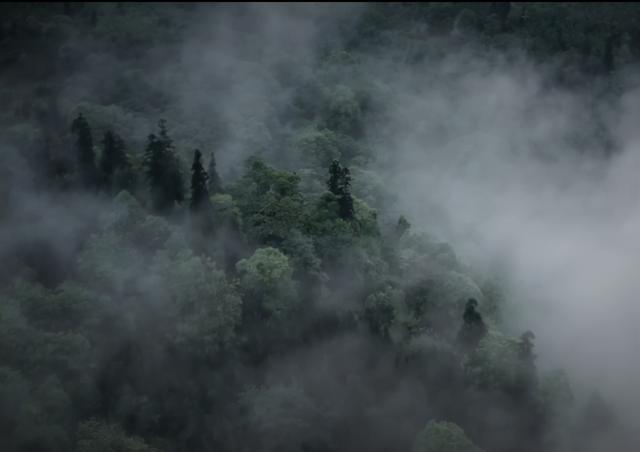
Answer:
(473, 329)
(163, 172)
(215, 185)
(339, 184)
(402, 226)
(114, 160)
(199, 178)
(85, 155)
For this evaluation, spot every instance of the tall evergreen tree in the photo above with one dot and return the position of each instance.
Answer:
(402, 226)
(215, 185)
(339, 184)
(114, 160)
(473, 327)
(85, 155)
(527, 375)
(335, 173)
(163, 171)
(346, 200)
(199, 178)
(155, 170)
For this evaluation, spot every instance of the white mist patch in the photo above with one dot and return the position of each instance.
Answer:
(492, 160)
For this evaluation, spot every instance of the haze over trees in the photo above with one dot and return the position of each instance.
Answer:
(202, 251)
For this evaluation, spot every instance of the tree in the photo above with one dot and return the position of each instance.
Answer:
(442, 436)
(284, 418)
(339, 184)
(270, 202)
(174, 176)
(473, 329)
(527, 378)
(269, 300)
(163, 171)
(266, 277)
(199, 178)
(96, 436)
(525, 346)
(215, 185)
(598, 416)
(402, 226)
(202, 309)
(380, 311)
(114, 162)
(84, 151)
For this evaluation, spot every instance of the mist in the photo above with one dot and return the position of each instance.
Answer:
(484, 157)
(527, 173)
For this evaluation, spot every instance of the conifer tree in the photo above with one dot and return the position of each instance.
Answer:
(527, 376)
(346, 200)
(85, 155)
(163, 171)
(199, 179)
(215, 185)
(402, 226)
(113, 159)
(473, 329)
(335, 172)
(339, 184)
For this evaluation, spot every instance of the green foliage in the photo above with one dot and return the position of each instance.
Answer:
(442, 436)
(267, 277)
(284, 418)
(159, 328)
(203, 309)
(339, 184)
(344, 114)
(226, 211)
(318, 147)
(96, 436)
(381, 310)
(270, 202)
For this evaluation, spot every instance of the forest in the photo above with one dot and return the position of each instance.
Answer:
(304, 227)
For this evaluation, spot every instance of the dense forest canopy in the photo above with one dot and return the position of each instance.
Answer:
(319, 227)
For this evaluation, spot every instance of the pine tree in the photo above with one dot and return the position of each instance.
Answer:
(215, 185)
(155, 170)
(177, 188)
(402, 226)
(113, 159)
(84, 151)
(473, 329)
(335, 173)
(163, 171)
(527, 373)
(339, 184)
(346, 200)
(199, 178)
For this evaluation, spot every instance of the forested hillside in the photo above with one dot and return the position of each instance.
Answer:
(206, 244)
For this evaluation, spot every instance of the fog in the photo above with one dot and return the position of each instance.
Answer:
(484, 155)
(530, 181)
(484, 150)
